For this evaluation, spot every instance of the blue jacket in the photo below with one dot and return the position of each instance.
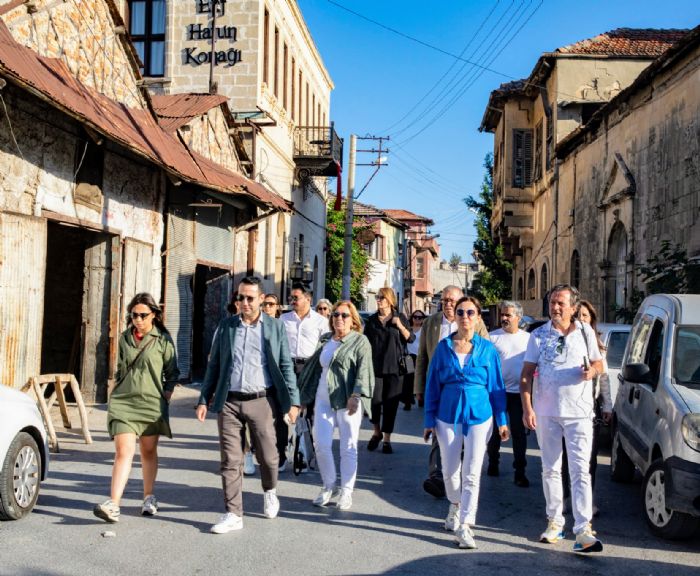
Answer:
(469, 395)
(218, 376)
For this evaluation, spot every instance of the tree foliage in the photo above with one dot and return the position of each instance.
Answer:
(455, 261)
(493, 283)
(335, 248)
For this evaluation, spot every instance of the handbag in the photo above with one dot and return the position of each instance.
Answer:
(406, 364)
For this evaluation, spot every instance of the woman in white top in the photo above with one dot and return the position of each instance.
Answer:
(416, 320)
(336, 378)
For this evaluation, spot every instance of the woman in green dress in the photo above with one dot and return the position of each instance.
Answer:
(138, 406)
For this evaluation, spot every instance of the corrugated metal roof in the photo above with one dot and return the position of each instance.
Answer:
(627, 42)
(176, 110)
(134, 129)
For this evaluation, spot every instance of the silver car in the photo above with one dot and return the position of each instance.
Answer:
(24, 453)
(614, 337)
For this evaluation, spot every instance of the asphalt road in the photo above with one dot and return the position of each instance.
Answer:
(393, 527)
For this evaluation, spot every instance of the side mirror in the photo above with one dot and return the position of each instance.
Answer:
(637, 373)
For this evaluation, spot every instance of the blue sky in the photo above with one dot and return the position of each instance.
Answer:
(436, 149)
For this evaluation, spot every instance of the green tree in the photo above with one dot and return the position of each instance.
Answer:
(335, 248)
(455, 261)
(493, 283)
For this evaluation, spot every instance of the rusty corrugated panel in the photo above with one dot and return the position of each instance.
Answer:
(136, 130)
(176, 110)
(22, 277)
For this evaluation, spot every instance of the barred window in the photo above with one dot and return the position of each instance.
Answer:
(147, 31)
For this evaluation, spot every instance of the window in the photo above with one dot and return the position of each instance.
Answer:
(544, 284)
(522, 158)
(420, 268)
(616, 348)
(550, 140)
(301, 95)
(147, 31)
(266, 48)
(377, 249)
(292, 106)
(276, 70)
(531, 285)
(655, 349)
(538, 151)
(285, 79)
(575, 269)
(521, 293)
(306, 107)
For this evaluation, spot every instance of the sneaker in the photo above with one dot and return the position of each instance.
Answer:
(553, 533)
(587, 542)
(324, 497)
(492, 470)
(271, 506)
(345, 500)
(521, 480)
(465, 537)
(248, 464)
(435, 487)
(107, 511)
(150, 506)
(283, 465)
(227, 523)
(452, 520)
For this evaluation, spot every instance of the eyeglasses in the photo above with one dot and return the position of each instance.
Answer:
(141, 315)
(343, 315)
(379, 297)
(268, 304)
(294, 298)
(322, 308)
(249, 299)
(462, 312)
(448, 301)
(419, 318)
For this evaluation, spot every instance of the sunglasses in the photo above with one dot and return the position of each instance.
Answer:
(266, 304)
(141, 315)
(294, 298)
(378, 298)
(249, 299)
(322, 308)
(462, 312)
(343, 315)
(419, 317)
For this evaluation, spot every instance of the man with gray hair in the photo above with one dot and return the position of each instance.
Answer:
(511, 343)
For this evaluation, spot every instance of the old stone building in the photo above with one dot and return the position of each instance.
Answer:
(87, 175)
(535, 207)
(261, 57)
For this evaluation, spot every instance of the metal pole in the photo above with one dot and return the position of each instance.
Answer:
(212, 87)
(347, 254)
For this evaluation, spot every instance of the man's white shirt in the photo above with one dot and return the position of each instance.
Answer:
(511, 348)
(561, 391)
(447, 327)
(304, 333)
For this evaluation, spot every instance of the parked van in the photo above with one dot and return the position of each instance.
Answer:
(656, 418)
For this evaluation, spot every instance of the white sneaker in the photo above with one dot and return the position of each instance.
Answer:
(586, 541)
(553, 533)
(283, 465)
(150, 506)
(452, 520)
(271, 506)
(465, 537)
(324, 497)
(227, 523)
(248, 464)
(345, 500)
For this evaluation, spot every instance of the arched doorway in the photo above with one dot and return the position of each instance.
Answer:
(616, 280)
(544, 281)
(531, 284)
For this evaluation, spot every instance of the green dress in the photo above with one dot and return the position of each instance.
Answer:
(137, 403)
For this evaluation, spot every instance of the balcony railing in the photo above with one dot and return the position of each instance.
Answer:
(318, 150)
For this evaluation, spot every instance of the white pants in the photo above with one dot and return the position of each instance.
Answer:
(578, 435)
(462, 474)
(325, 421)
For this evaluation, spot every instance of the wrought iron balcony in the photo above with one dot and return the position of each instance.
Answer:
(318, 151)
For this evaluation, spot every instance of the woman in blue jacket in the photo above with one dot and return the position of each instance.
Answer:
(463, 395)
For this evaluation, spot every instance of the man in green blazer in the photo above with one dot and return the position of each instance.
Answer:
(249, 379)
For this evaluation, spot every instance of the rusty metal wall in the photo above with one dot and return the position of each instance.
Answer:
(137, 274)
(22, 277)
(213, 234)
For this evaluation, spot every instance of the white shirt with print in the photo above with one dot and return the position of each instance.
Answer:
(511, 348)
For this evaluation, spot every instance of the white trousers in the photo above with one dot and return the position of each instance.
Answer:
(325, 421)
(462, 474)
(578, 436)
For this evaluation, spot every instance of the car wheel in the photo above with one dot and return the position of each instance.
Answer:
(663, 522)
(20, 477)
(621, 467)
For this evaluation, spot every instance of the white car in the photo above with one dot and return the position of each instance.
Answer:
(24, 453)
(614, 337)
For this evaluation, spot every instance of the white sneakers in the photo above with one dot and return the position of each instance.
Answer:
(227, 523)
(553, 533)
(324, 497)
(452, 520)
(586, 541)
(271, 506)
(345, 499)
(150, 506)
(248, 464)
(465, 537)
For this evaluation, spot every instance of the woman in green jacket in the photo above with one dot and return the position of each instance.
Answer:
(335, 379)
(138, 406)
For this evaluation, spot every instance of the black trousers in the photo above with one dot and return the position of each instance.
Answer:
(514, 407)
(281, 428)
(407, 386)
(385, 401)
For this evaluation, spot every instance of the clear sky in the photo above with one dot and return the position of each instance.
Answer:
(431, 103)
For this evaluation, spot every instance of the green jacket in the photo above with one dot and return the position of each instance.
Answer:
(218, 376)
(350, 372)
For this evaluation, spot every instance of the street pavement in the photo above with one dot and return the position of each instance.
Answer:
(393, 528)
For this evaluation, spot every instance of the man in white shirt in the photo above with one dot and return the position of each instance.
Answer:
(511, 343)
(565, 353)
(304, 328)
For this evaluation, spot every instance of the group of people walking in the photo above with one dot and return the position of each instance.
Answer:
(264, 369)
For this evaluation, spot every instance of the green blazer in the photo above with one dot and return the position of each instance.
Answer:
(350, 372)
(218, 376)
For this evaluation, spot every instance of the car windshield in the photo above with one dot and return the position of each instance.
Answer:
(686, 358)
(616, 348)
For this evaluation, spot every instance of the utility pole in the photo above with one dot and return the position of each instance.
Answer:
(349, 213)
(212, 60)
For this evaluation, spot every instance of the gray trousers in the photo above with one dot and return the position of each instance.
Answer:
(236, 416)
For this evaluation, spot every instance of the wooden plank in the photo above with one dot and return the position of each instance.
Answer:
(81, 409)
(58, 390)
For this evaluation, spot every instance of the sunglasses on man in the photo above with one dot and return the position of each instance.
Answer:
(249, 299)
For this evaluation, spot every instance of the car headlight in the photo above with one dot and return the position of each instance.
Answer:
(690, 428)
